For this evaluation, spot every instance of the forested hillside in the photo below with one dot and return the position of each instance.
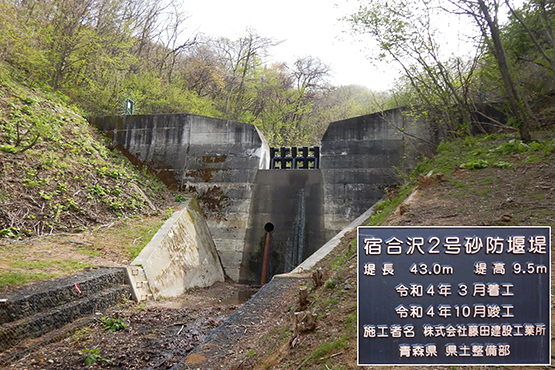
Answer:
(57, 176)
(56, 172)
(102, 52)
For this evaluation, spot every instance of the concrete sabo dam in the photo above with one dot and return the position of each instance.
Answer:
(310, 197)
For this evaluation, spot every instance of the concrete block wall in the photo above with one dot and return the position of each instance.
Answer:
(35, 298)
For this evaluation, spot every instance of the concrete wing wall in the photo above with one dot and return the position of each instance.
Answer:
(178, 146)
(181, 255)
(361, 156)
(222, 163)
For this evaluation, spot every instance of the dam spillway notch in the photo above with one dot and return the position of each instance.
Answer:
(287, 158)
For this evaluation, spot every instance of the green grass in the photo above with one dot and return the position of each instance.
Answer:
(384, 209)
(143, 235)
(82, 335)
(327, 348)
(538, 195)
(330, 301)
(25, 272)
(351, 322)
(482, 151)
(340, 263)
(501, 151)
(131, 235)
(90, 250)
(8, 279)
(67, 265)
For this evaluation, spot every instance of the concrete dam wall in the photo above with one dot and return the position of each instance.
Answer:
(217, 159)
(227, 164)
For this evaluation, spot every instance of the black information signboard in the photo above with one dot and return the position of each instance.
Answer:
(454, 295)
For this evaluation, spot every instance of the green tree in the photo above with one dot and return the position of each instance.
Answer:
(338, 103)
(102, 52)
(241, 57)
(486, 14)
(202, 71)
(22, 40)
(529, 42)
(536, 19)
(405, 33)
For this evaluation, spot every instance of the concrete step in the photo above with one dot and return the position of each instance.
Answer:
(54, 318)
(39, 297)
(139, 283)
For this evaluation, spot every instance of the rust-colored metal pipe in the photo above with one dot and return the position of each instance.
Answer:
(269, 227)
(265, 260)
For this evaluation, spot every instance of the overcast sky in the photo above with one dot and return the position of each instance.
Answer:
(307, 27)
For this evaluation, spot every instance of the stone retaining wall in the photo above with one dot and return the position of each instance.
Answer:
(39, 308)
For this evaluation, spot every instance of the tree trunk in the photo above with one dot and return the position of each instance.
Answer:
(498, 50)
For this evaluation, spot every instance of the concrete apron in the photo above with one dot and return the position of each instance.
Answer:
(208, 354)
(181, 255)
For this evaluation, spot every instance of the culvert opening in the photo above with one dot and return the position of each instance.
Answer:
(269, 227)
